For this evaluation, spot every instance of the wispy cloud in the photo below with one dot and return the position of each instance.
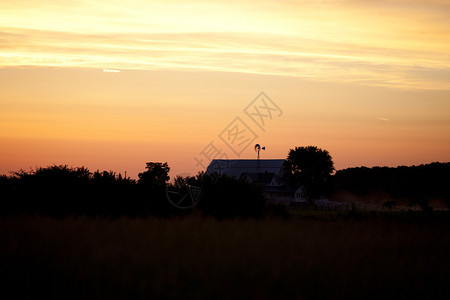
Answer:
(404, 45)
(111, 71)
(383, 119)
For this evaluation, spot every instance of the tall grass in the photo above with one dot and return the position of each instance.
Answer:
(193, 257)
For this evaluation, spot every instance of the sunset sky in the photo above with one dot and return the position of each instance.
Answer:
(113, 84)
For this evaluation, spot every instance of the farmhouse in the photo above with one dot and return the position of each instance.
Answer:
(268, 173)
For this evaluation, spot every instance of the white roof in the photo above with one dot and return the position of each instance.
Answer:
(236, 167)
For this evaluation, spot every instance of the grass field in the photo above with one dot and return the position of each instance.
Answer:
(311, 255)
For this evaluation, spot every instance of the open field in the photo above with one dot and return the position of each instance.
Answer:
(310, 255)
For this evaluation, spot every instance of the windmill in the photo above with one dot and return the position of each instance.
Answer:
(259, 148)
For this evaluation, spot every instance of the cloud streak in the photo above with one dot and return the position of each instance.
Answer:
(399, 46)
(110, 71)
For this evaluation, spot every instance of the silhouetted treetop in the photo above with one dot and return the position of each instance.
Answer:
(309, 166)
(156, 174)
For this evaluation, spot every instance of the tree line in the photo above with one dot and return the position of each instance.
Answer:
(312, 168)
(416, 183)
(60, 191)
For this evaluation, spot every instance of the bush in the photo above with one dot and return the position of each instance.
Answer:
(227, 197)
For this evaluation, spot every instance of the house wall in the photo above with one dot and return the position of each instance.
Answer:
(281, 197)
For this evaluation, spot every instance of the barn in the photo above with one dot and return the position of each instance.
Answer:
(268, 173)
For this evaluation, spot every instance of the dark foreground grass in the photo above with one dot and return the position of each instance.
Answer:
(301, 258)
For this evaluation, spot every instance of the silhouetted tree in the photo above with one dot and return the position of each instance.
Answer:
(55, 190)
(311, 167)
(157, 174)
(181, 184)
(152, 187)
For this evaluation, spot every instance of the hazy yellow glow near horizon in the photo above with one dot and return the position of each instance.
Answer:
(112, 84)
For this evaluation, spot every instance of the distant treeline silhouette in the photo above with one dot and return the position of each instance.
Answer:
(416, 183)
(61, 190)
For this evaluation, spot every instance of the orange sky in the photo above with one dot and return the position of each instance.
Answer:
(113, 84)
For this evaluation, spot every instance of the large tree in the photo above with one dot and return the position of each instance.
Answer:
(311, 167)
(157, 174)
